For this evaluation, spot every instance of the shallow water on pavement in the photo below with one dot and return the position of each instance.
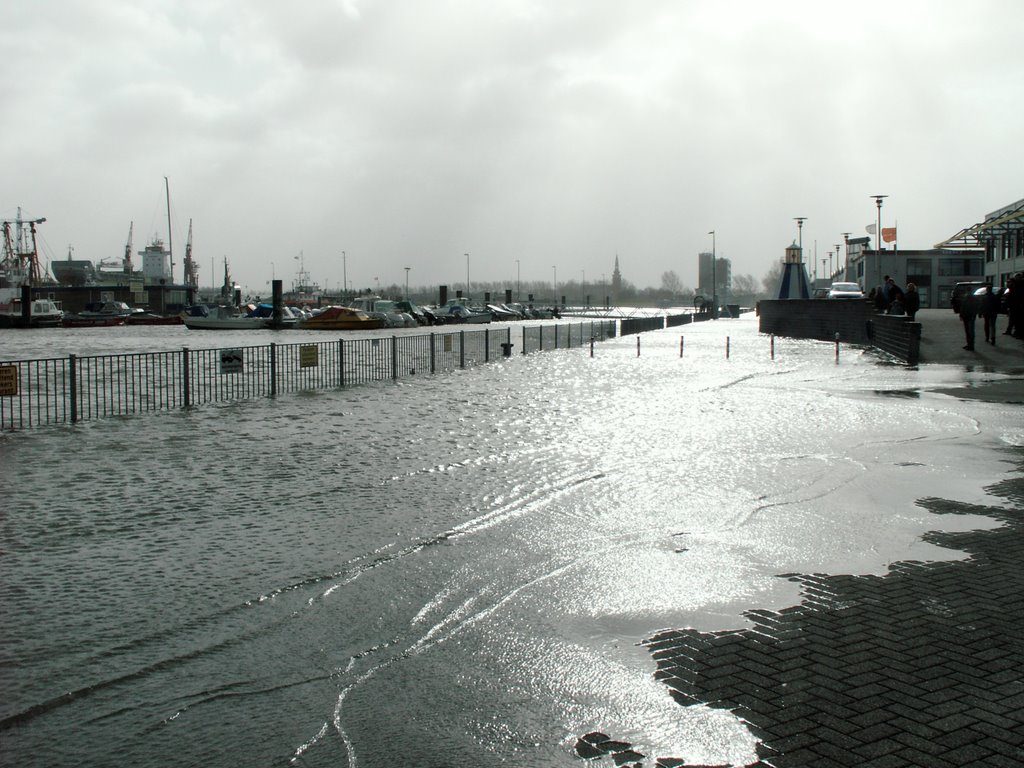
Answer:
(456, 570)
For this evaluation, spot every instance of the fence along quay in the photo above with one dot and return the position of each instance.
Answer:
(67, 390)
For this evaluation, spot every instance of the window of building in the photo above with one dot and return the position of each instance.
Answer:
(918, 267)
(966, 267)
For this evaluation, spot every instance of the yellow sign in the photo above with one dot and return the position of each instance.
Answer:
(447, 345)
(8, 380)
(309, 356)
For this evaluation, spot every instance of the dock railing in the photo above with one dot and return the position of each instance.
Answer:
(68, 390)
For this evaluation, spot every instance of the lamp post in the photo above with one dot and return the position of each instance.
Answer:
(583, 288)
(517, 279)
(714, 277)
(878, 236)
(837, 257)
(554, 284)
(800, 232)
(467, 277)
(344, 275)
(407, 283)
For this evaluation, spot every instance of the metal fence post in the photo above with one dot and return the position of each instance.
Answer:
(394, 357)
(73, 383)
(273, 369)
(432, 352)
(487, 345)
(186, 384)
(524, 339)
(462, 349)
(341, 362)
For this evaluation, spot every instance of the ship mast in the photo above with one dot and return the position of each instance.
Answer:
(17, 256)
(191, 273)
(128, 250)
(170, 241)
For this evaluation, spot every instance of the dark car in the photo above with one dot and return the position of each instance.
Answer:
(962, 289)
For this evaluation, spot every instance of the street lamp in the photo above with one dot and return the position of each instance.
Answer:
(344, 274)
(554, 283)
(837, 256)
(800, 232)
(583, 288)
(467, 276)
(407, 283)
(714, 277)
(878, 236)
(517, 279)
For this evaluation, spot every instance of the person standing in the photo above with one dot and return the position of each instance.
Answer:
(989, 312)
(911, 301)
(968, 314)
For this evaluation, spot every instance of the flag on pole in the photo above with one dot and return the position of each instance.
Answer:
(889, 234)
(870, 229)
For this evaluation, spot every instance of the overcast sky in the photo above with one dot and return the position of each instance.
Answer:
(556, 133)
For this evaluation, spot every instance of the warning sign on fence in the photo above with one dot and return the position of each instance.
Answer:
(8, 380)
(309, 356)
(231, 361)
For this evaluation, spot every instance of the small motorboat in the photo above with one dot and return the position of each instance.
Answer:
(335, 318)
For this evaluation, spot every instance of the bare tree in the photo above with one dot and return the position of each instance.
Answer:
(670, 283)
(771, 279)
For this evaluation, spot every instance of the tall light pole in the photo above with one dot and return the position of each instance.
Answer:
(407, 283)
(517, 279)
(467, 276)
(800, 232)
(846, 241)
(837, 258)
(714, 277)
(878, 236)
(583, 288)
(554, 283)
(344, 274)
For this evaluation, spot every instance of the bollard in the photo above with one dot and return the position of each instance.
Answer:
(591, 346)
(726, 347)
(773, 346)
(638, 346)
(681, 346)
(837, 348)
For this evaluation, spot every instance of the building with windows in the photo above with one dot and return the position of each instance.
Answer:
(933, 271)
(1000, 240)
(720, 274)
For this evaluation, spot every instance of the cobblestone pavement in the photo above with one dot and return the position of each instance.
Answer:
(921, 667)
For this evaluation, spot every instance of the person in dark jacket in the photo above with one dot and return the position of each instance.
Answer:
(989, 311)
(911, 301)
(968, 314)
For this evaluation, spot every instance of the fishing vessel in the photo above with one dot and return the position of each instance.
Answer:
(19, 273)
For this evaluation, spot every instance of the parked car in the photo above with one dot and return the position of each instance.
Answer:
(1003, 294)
(962, 289)
(845, 291)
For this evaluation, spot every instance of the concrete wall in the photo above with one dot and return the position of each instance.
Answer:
(855, 322)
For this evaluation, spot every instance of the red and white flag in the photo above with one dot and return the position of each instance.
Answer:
(889, 234)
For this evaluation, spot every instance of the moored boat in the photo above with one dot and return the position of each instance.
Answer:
(98, 315)
(341, 319)
(43, 313)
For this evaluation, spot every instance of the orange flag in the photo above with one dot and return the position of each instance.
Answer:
(889, 234)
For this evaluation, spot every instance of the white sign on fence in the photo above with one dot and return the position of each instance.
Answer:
(231, 361)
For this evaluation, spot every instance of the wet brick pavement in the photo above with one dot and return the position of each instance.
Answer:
(921, 667)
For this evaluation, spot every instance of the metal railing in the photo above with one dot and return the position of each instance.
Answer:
(71, 389)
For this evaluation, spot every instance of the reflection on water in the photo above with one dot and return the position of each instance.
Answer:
(456, 570)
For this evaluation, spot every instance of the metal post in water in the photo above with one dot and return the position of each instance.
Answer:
(638, 345)
(726, 347)
(773, 346)
(591, 346)
(186, 388)
(273, 369)
(681, 341)
(837, 348)
(73, 384)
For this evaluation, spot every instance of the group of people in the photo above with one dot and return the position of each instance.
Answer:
(989, 304)
(890, 299)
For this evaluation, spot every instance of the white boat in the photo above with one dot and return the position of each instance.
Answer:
(201, 317)
(44, 313)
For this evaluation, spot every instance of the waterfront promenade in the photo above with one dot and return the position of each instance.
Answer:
(923, 666)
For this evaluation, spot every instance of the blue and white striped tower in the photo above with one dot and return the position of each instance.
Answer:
(793, 283)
